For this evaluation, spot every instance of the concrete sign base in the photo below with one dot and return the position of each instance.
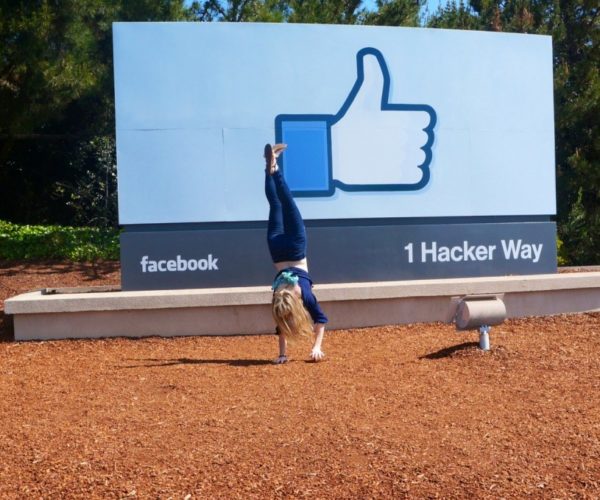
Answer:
(240, 311)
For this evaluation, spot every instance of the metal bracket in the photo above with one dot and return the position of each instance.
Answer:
(484, 337)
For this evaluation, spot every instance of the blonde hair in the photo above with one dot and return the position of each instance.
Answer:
(289, 314)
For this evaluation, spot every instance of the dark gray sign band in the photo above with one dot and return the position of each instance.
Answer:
(203, 258)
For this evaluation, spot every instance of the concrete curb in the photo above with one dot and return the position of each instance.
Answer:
(226, 311)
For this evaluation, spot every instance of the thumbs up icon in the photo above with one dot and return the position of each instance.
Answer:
(370, 144)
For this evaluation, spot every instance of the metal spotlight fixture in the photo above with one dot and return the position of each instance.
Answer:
(482, 312)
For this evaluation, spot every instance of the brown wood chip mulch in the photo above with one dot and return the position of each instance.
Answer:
(393, 412)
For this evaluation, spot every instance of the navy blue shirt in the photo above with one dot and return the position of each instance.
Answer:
(308, 297)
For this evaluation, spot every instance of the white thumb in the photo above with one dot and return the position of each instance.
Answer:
(371, 79)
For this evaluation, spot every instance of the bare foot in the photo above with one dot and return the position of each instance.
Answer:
(270, 160)
(278, 149)
(271, 155)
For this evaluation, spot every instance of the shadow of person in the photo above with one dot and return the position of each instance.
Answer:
(449, 351)
(188, 361)
(7, 332)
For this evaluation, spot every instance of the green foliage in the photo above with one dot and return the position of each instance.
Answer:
(56, 99)
(56, 242)
(93, 196)
(389, 12)
(396, 13)
(581, 229)
(325, 11)
(456, 15)
(293, 11)
(240, 10)
(45, 62)
(577, 96)
(562, 259)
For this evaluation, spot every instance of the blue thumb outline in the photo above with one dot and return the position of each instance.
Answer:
(333, 119)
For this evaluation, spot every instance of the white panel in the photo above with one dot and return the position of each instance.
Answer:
(196, 102)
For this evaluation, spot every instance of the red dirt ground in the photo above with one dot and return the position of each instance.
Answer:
(393, 412)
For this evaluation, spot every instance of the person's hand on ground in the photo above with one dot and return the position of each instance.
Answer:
(316, 354)
(280, 360)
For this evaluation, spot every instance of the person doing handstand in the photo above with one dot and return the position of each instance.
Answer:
(295, 308)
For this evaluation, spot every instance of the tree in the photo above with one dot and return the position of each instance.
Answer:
(326, 11)
(56, 98)
(239, 10)
(293, 11)
(396, 13)
(455, 15)
(577, 98)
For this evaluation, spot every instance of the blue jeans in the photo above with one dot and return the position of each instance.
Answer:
(286, 234)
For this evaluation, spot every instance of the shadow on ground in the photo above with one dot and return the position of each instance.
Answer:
(187, 361)
(6, 328)
(450, 351)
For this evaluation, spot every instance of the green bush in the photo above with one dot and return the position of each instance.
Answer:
(562, 259)
(57, 242)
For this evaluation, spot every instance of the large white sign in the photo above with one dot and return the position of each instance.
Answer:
(380, 122)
